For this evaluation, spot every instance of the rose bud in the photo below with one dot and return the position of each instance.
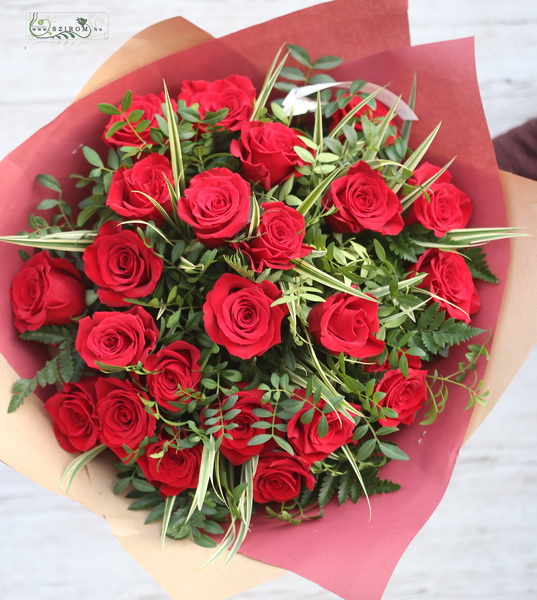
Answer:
(46, 291)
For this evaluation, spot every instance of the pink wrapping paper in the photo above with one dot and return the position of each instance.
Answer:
(345, 552)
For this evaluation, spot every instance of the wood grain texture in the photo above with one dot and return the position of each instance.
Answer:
(480, 543)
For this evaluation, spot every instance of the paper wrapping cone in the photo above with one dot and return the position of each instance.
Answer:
(93, 486)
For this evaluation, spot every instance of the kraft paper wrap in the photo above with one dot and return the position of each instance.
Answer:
(176, 566)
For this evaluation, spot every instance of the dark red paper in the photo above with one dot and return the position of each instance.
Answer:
(345, 552)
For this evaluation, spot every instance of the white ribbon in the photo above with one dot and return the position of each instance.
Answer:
(297, 103)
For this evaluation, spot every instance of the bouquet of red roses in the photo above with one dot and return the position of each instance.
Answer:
(399, 284)
(244, 306)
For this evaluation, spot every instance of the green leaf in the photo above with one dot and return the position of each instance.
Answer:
(121, 485)
(304, 154)
(142, 125)
(262, 438)
(284, 86)
(284, 445)
(300, 55)
(477, 263)
(413, 161)
(108, 109)
(379, 250)
(135, 115)
(49, 373)
(327, 62)
(156, 514)
(78, 464)
(293, 74)
(147, 501)
(47, 204)
(327, 489)
(115, 127)
(437, 333)
(407, 125)
(316, 194)
(66, 367)
(168, 508)
(320, 78)
(211, 118)
(85, 214)
(175, 147)
(49, 182)
(366, 449)
(142, 485)
(322, 427)
(404, 246)
(212, 527)
(21, 389)
(126, 101)
(392, 451)
(92, 157)
(309, 271)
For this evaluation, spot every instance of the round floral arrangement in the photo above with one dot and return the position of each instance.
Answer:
(246, 306)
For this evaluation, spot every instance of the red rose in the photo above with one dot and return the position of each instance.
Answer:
(116, 338)
(121, 265)
(46, 291)
(147, 175)
(363, 201)
(444, 207)
(236, 448)
(74, 415)
(266, 152)
(238, 315)
(216, 205)
(173, 472)
(280, 477)
(376, 115)
(405, 395)
(124, 420)
(235, 93)
(345, 323)
(175, 368)
(151, 105)
(449, 277)
(278, 240)
(304, 437)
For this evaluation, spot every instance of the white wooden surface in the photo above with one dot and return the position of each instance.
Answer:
(480, 543)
